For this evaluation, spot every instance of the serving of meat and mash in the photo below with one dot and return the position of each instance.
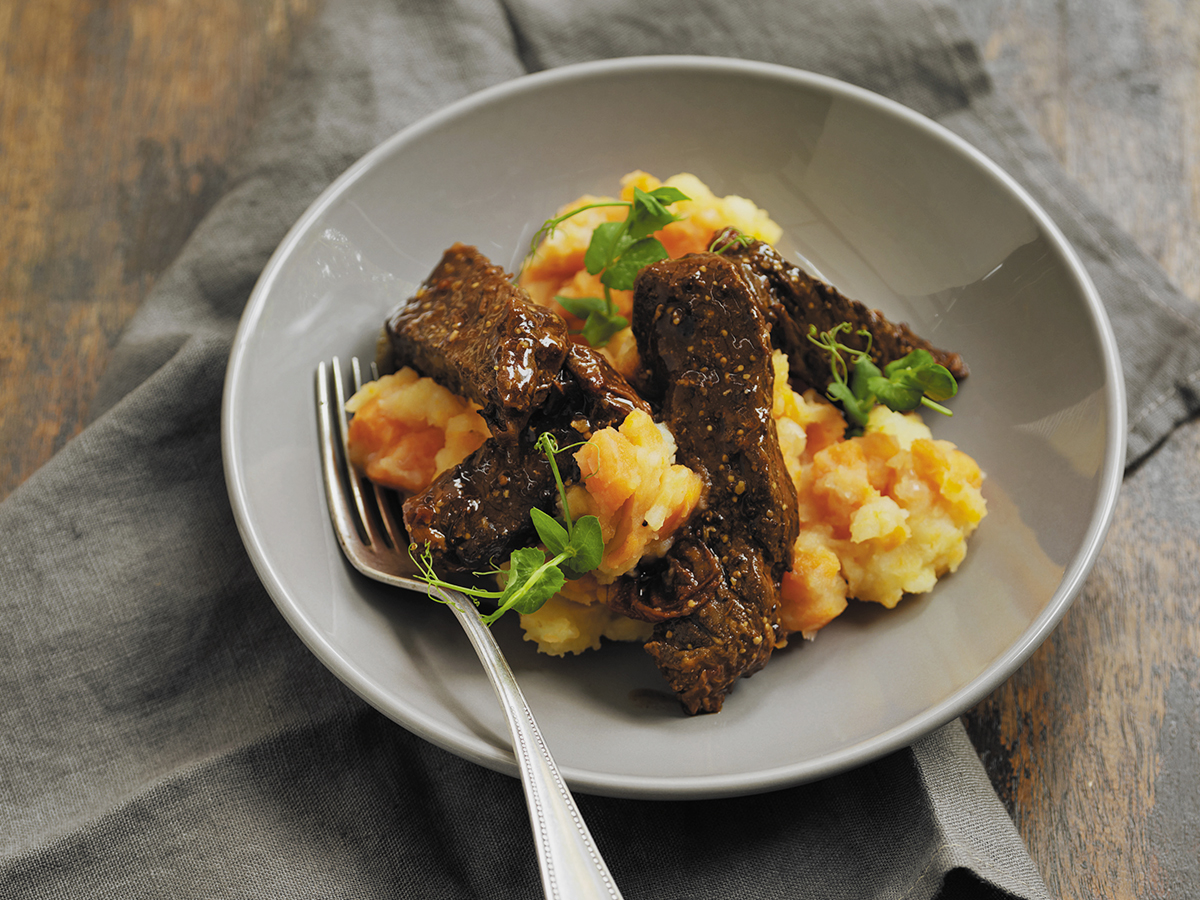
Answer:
(735, 506)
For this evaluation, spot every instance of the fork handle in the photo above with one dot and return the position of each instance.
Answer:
(571, 865)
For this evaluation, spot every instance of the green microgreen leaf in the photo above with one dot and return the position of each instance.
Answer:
(667, 195)
(904, 384)
(601, 321)
(609, 240)
(935, 382)
(914, 359)
(531, 581)
(601, 326)
(919, 370)
(727, 240)
(620, 273)
(939, 383)
(550, 530)
(616, 252)
(865, 372)
(587, 543)
(582, 307)
(649, 214)
(896, 395)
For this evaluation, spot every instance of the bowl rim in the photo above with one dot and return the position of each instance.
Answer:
(654, 787)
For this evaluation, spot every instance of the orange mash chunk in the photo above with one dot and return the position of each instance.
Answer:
(631, 483)
(408, 429)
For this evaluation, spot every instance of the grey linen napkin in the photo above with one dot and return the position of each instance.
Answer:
(163, 732)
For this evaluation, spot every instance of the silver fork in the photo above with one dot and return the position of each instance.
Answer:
(375, 543)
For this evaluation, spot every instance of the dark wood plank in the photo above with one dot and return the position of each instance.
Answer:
(117, 121)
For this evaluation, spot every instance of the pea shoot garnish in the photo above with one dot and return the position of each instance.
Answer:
(576, 547)
(727, 240)
(903, 385)
(617, 252)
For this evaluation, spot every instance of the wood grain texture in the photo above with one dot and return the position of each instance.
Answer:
(1095, 742)
(1113, 86)
(117, 120)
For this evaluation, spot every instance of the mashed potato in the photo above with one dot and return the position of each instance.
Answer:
(408, 429)
(557, 268)
(631, 483)
(575, 620)
(881, 515)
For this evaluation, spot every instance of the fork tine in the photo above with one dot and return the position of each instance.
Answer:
(396, 535)
(345, 523)
(374, 535)
(391, 524)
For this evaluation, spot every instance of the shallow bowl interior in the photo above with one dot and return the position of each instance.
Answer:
(887, 206)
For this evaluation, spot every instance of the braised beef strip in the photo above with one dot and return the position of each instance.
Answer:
(797, 300)
(474, 515)
(705, 340)
(473, 331)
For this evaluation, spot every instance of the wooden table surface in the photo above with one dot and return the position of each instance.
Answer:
(117, 121)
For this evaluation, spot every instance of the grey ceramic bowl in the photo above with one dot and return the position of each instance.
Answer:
(892, 209)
